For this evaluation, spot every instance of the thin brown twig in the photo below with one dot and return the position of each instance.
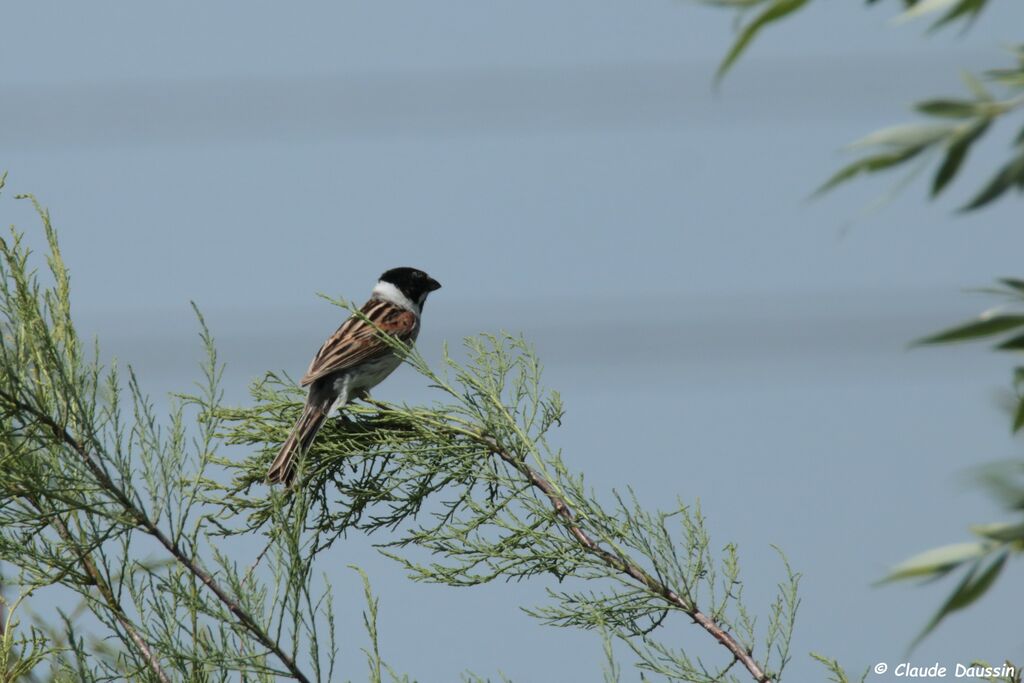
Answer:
(256, 563)
(3, 608)
(109, 599)
(141, 519)
(625, 565)
(620, 564)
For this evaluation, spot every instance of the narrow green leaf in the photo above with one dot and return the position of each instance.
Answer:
(1013, 344)
(972, 587)
(976, 588)
(937, 560)
(966, 9)
(1013, 283)
(952, 109)
(1009, 175)
(952, 161)
(921, 8)
(976, 87)
(955, 156)
(985, 326)
(869, 164)
(777, 10)
(950, 165)
(906, 135)
(1018, 416)
(1005, 532)
(1004, 482)
(1011, 78)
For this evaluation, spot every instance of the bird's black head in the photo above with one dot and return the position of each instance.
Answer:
(412, 282)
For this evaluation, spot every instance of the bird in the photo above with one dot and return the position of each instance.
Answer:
(356, 358)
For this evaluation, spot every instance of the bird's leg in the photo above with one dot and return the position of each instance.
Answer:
(364, 396)
(354, 396)
(341, 417)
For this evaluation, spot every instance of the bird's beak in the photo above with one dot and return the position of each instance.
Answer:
(433, 284)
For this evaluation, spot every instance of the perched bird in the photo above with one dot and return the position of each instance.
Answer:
(356, 358)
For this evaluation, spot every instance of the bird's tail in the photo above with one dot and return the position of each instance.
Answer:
(282, 470)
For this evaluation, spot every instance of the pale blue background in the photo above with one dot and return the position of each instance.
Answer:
(566, 170)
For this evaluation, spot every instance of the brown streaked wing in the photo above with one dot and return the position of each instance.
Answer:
(357, 341)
